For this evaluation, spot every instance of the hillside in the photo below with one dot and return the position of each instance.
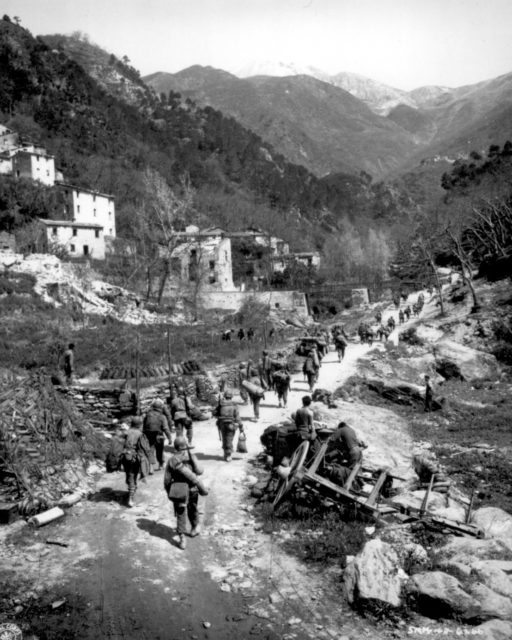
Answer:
(312, 123)
(105, 128)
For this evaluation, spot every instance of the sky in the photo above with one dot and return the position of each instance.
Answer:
(402, 43)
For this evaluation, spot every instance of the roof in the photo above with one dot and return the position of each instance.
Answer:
(40, 152)
(70, 223)
(65, 185)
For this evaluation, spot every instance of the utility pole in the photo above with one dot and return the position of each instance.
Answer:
(137, 375)
(169, 358)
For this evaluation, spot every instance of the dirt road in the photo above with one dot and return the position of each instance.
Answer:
(122, 575)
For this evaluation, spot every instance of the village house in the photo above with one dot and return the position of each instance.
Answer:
(35, 164)
(89, 207)
(79, 239)
(202, 259)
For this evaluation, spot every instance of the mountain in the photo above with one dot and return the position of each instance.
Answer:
(311, 122)
(280, 70)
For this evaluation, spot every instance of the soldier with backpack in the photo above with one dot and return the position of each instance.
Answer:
(155, 427)
(135, 457)
(340, 342)
(281, 384)
(184, 489)
(180, 411)
(309, 370)
(228, 421)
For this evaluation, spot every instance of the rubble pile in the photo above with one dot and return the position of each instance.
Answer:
(45, 446)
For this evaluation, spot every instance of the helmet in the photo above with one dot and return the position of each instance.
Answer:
(136, 421)
(157, 404)
(181, 443)
(228, 394)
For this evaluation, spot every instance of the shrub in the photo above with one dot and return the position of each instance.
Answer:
(411, 337)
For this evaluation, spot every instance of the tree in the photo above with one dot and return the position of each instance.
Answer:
(456, 238)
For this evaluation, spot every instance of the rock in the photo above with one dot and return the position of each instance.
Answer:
(454, 360)
(375, 574)
(251, 481)
(457, 569)
(439, 595)
(495, 574)
(491, 604)
(275, 597)
(207, 624)
(468, 550)
(495, 523)
(494, 630)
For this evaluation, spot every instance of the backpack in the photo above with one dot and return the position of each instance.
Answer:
(114, 457)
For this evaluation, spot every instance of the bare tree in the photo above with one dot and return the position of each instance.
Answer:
(464, 257)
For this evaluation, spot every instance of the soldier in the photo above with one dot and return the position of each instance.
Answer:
(378, 317)
(391, 323)
(228, 421)
(345, 447)
(135, 457)
(69, 363)
(184, 489)
(155, 426)
(256, 397)
(266, 367)
(429, 394)
(250, 334)
(340, 342)
(309, 371)
(180, 410)
(407, 312)
(241, 334)
(401, 317)
(304, 421)
(242, 375)
(281, 382)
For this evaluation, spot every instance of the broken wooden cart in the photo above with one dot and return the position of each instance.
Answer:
(304, 473)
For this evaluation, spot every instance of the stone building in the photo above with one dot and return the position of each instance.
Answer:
(202, 259)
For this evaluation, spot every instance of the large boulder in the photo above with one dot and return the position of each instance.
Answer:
(495, 574)
(400, 391)
(493, 630)
(495, 523)
(491, 604)
(468, 550)
(439, 595)
(454, 360)
(375, 574)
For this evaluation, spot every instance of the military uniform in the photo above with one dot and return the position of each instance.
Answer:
(182, 421)
(228, 420)
(155, 426)
(345, 445)
(281, 382)
(184, 489)
(135, 457)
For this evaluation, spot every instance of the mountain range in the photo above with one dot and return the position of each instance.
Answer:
(349, 123)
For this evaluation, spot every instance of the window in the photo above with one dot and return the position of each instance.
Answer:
(72, 248)
(54, 231)
(86, 249)
(212, 265)
(78, 208)
(48, 172)
(94, 212)
(94, 198)
(75, 232)
(97, 233)
(37, 158)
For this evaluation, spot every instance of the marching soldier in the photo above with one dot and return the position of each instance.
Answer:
(228, 421)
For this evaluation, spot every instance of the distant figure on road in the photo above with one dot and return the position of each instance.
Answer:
(250, 334)
(241, 334)
(309, 371)
(429, 394)
(226, 335)
(340, 342)
(407, 312)
(184, 489)
(401, 317)
(69, 363)
(180, 411)
(135, 457)
(281, 384)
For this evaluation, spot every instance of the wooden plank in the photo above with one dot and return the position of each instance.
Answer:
(377, 488)
(350, 480)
